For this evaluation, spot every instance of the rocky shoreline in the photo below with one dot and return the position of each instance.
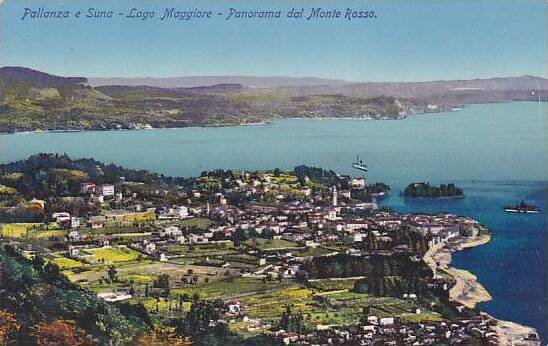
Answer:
(469, 292)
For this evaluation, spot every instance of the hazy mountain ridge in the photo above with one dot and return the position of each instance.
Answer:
(34, 100)
(196, 81)
(425, 89)
(315, 85)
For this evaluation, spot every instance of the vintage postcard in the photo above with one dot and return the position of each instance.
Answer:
(184, 172)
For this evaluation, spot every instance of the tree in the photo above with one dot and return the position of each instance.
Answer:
(267, 233)
(38, 263)
(360, 286)
(239, 237)
(198, 322)
(366, 310)
(59, 333)
(8, 328)
(290, 321)
(51, 271)
(302, 276)
(348, 240)
(284, 319)
(162, 281)
(112, 273)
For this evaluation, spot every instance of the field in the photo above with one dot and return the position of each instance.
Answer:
(142, 272)
(197, 222)
(70, 174)
(137, 278)
(133, 217)
(52, 233)
(64, 262)
(324, 302)
(236, 287)
(17, 230)
(213, 249)
(337, 307)
(423, 317)
(270, 244)
(30, 230)
(312, 251)
(242, 261)
(332, 285)
(328, 302)
(113, 254)
(138, 271)
(283, 179)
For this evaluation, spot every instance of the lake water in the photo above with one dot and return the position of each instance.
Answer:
(511, 265)
(496, 152)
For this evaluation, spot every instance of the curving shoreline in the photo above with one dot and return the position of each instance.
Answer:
(469, 292)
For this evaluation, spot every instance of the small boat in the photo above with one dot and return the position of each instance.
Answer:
(522, 208)
(359, 164)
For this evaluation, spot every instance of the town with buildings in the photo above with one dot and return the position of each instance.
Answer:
(303, 257)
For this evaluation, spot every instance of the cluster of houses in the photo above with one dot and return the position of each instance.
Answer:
(310, 221)
(104, 190)
(443, 227)
(390, 331)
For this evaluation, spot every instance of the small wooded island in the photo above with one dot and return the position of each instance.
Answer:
(426, 190)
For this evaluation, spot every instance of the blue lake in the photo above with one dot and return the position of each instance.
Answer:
(511, 265)
(496, 152)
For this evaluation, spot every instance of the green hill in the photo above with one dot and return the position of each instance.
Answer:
(35, 293)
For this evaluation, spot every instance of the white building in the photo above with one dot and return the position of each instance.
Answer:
(175, 212)
(113, 297)
(74, 222)
(358, 182)
(233, 307)
(182, 211)
(196, 238)
(106, 190)
(171, 231)
(386, 321)
(74, 235)
(150, 247)
(73, 251)
(60, 217)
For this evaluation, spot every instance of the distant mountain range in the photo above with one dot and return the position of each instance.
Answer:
(194, 81)
(311, 84)
(34, 100)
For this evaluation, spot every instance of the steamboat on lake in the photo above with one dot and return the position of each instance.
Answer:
(359, 164)
(522, 208)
